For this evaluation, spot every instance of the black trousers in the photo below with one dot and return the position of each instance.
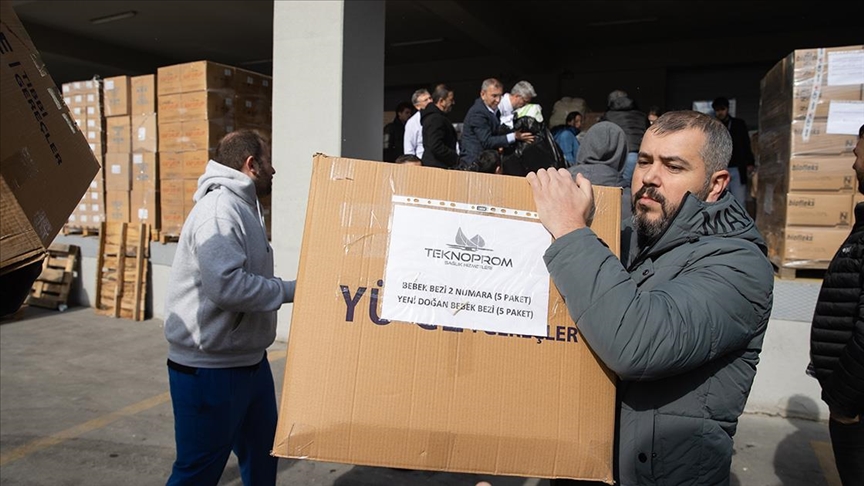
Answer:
(848, 444)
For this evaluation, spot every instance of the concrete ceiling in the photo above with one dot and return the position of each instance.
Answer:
(76, 45)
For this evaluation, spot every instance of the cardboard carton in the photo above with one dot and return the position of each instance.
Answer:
(144, 133)
(118, 136)
(818, 209)
(360, 389)
(145, 172)
(194, 76)
(118, 172)
(827, 173)
(116, 96)
(143, 94)
(188, 136)
(811, 246)
(117, 206)
(45, 162)
(196, 105)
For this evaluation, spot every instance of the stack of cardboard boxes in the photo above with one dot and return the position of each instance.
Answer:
(198, 103)
(154, 134)
(144, 198)
(196, 108)
(118, 148)
(810, 111)
(84, 100)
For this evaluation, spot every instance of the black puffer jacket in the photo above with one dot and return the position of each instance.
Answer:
(837, 335)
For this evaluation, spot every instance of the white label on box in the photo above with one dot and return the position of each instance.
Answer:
(142, 214)
(250, 80)
(89, 85)
(91, 98)
(137, 159)
(229, 102)
(79, 98)
(142, 134)
(248, 104)
(66, 88)
(845, 67)
(116, 169)
(92, 147)
(94, 195)
(82, 207)
(67, 99)
(94, 208)
(227, 72)
(845, 117)
(71, 218)
(466, 269)
(265, 83)
(83, 218)
(94, 185)
(91, 110)
(91, 123)
(109, 85)
(91, 135)
(77, 85)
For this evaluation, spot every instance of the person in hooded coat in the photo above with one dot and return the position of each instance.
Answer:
(601, 159)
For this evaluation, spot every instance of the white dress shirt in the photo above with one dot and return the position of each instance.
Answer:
(413, 141)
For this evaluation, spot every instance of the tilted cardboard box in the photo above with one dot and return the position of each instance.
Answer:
(45, 160)
(360, 389)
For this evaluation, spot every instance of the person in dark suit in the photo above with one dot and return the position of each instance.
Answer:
(480, 130)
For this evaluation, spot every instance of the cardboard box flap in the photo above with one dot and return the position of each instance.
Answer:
(362, 390)
(45, 160)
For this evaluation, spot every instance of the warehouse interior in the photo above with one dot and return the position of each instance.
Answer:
(664, 53)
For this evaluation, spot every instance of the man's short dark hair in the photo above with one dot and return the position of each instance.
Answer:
(404, 105)
(717, 149)
(441, 92)
(235, 147)
(406, 158)
(720, 102)
(861, 132)
(572, 116)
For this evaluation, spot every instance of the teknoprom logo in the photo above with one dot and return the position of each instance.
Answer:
(472, 244)
(465, 253)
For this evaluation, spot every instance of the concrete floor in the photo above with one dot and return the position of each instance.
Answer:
(84, 400)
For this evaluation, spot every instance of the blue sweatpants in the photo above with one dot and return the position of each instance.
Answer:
(220, 410)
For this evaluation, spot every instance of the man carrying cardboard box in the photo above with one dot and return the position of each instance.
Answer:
(682, 325)
(220, 319)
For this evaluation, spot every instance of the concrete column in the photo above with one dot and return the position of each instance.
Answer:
(328, 92)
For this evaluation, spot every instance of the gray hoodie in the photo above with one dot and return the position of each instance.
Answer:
(222, 296)
(601, 157)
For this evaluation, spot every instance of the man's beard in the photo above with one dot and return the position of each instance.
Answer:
(647, 231)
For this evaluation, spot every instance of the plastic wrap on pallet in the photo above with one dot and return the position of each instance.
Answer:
(795, 132)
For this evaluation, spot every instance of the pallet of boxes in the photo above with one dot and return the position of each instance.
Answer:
(84, 99)
(198, 103)
(810, 112)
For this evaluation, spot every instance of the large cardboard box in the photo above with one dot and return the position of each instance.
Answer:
(118, 137)
(145, 172)
(818, 209)
(811, 246)
(196, 105)
(189, 136)
(118, 171)
(827, 173)
(117, 206)
(116, 96)
(194, 76)
(45, 162)
(144, 133)
(360, 389)
(143, 94)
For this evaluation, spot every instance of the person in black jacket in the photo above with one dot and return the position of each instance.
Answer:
(742, 162)
(837, 342)
(439, 136)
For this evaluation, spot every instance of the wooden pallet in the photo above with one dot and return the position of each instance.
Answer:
(81, 230)
(51, 289)
(121, 280)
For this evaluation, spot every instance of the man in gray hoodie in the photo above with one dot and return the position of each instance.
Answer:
(220, 319)
(682, 324)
